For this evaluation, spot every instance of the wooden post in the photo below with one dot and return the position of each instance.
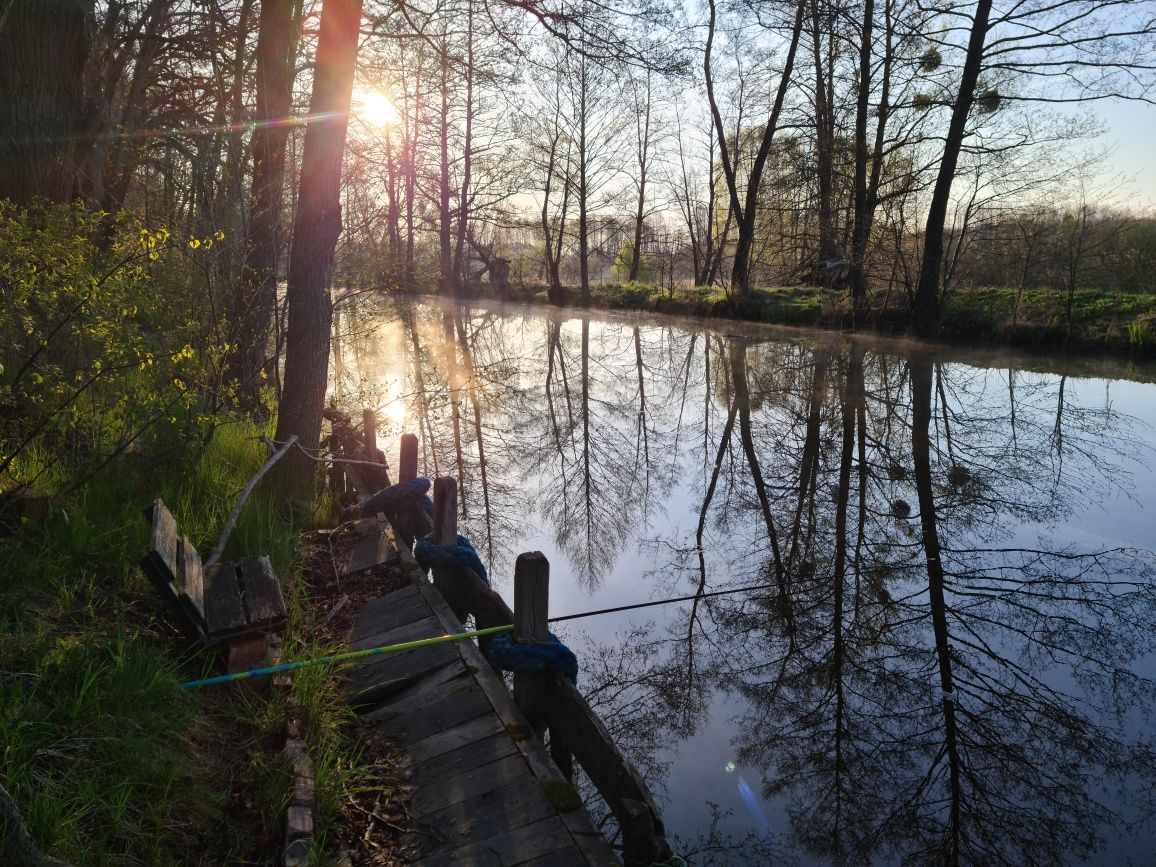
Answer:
(449, 582)
(336, 472)
(369, 433)
(407, 464)
(531, 608)
(410, 524)
(446, 510)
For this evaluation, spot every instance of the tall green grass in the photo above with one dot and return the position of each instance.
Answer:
(107, 759)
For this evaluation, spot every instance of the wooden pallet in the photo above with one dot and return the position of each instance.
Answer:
(216, 604)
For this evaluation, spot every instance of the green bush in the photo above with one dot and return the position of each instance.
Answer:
(95, 361)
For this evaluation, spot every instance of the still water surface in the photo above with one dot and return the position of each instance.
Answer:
(950, 655)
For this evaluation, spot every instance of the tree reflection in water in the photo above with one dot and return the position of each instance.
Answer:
(933, 674)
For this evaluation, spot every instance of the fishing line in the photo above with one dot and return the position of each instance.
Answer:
(442, 639)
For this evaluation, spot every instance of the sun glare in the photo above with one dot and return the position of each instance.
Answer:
(377, 110)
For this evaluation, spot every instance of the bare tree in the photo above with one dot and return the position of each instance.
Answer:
(745, 212)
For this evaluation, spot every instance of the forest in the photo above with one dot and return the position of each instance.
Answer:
(203, 201)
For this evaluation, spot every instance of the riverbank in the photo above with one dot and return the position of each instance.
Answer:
(106, 759)
(1121, 324)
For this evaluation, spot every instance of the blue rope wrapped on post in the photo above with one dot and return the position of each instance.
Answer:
(503, 651)
(404, 495)
(518, 656)
(430, 555)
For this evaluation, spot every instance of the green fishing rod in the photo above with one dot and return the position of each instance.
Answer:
(441, 639)
(343, 657)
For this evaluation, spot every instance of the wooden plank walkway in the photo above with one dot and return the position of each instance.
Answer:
(486, 792)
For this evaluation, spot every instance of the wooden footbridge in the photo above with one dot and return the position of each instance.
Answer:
(487, 791)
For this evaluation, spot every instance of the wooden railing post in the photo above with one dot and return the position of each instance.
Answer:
(407, 464)
(410, 524)
(445, 510)
(369, 433)
(533, 691)
(531, 608)
(449, 582)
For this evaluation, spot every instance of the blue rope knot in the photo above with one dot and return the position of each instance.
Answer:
(430, 555)
(501, 650)
(511, 655)
(403, 495)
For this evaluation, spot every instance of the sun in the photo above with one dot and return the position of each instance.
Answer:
(377, 110)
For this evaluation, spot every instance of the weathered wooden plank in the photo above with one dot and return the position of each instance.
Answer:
(609, 770)
(192, 579)
(394, 665)
(356, 477)
(384, 613)
(389, 602)
(376, 694)
(164, 540)
(261, 592)
(431, 686)
(495, 812)
(509, 847)
(435, 716)
(160, 565)
(435, 792)
(428, 627)
(391, 611)
(577, 823)
(462, 735)
(224, 614)
(475, 754)
(368, 552)
(435, 690)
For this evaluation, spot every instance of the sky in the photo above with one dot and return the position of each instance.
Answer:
(1131, 127)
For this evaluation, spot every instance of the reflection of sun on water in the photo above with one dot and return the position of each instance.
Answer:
(376, 109)
(394, 410)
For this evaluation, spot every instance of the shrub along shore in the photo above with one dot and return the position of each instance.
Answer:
(1122, 324)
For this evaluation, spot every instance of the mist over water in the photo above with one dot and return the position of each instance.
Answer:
(950, 653)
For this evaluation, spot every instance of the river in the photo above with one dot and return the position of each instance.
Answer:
(948, 648)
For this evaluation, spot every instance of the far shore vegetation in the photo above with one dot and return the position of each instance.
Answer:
(1121, 324)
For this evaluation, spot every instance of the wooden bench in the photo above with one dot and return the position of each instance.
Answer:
(235, 604)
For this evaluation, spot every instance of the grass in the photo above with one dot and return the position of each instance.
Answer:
(1124, 323)
(106, 758)
(1115, 322)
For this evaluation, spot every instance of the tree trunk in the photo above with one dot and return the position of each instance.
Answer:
(745, 214)
(861, 228)
(921, 457)
(257, 293)
(461, 258)
(643, 130)
(824, 149)
(315, 231)
(44, 116)
(925, 308)
(445, 275)
(583, 192)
